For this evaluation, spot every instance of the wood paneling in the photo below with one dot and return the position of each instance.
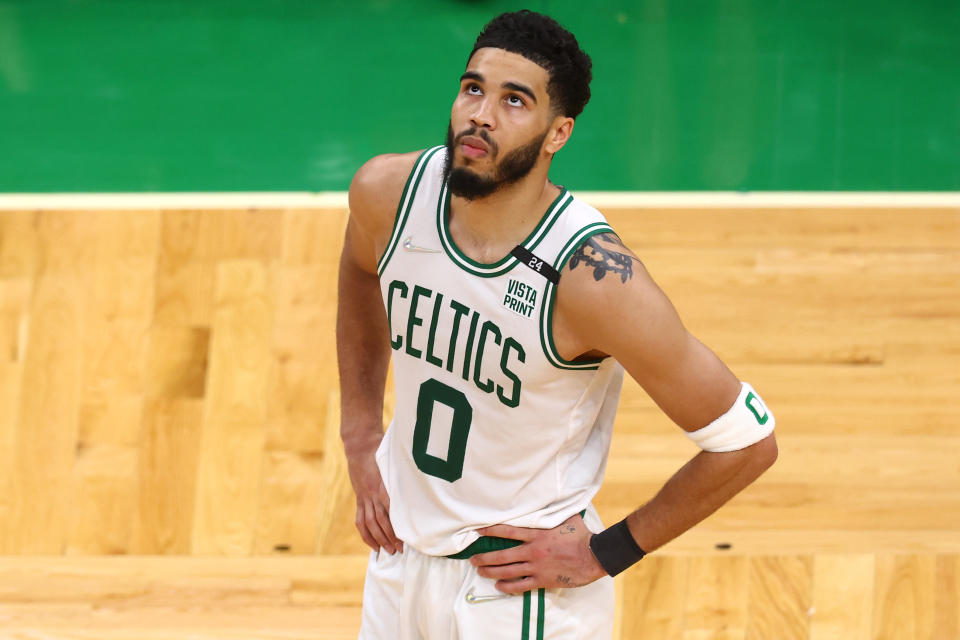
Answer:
(168, 389)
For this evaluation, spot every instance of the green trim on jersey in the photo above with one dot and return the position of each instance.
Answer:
(550, 293)
(406, 203)
(509, 261)
(485, 544)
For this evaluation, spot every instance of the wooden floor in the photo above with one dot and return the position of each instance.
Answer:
(170, 465)
(854, 596)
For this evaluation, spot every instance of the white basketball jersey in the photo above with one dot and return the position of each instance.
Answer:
(491, 425)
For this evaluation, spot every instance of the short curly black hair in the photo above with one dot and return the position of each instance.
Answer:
(542, 40)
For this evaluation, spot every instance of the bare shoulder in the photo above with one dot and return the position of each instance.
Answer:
(608, 304)
(376, 189)
(602, 267)
(604, 292)
(605, 259)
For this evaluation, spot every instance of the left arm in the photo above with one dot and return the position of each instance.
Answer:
(623, 313)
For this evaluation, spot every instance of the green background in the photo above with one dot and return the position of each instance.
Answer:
(217, 95)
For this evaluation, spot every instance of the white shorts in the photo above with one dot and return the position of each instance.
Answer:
(412, 596)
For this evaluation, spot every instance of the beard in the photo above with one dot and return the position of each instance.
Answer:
(468, 184)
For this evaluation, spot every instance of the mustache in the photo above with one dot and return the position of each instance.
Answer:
(478, 133)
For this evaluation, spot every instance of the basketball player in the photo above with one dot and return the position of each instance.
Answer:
(511, 310)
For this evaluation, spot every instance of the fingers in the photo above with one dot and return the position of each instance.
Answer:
(507, 571)
(383, 495)
(383, 515)
(547, 558)
(505, 556)
(373, 511)
(373, 527)
(517, 586)
(383, 520)
(506, 531)
(362, 528)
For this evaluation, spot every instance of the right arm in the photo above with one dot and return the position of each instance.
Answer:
(363, 348)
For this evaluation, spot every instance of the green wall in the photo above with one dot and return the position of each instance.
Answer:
(213, 95)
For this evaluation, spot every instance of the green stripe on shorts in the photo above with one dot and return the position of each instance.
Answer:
(541, 604)
(541, 613)
(525, 634)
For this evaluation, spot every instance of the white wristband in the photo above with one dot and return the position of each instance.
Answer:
(747, 422)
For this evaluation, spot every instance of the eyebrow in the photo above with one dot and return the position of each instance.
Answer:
(512, 86)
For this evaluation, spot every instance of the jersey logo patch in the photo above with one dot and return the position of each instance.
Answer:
(412, 248)
(756, 406)
(472, 598)
(520, 298)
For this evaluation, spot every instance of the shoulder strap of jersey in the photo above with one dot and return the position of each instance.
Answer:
(583, 223)
(405, 205)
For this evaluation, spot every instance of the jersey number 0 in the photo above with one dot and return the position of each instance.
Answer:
(431, 392)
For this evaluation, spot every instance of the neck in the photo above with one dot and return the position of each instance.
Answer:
(488, 228)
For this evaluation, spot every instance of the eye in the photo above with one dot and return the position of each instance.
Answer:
(473, 90)
(515, 101)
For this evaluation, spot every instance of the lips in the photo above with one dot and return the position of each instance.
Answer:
(474, 147)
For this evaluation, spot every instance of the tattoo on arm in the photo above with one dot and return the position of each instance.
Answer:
(612, 238)
(565, 581)
(570, 528)
(603, 260)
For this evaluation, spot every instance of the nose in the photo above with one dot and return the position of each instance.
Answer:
(483, 115)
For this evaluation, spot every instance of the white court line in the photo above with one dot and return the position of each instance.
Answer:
(599, 199)
(179, 200)
(769, 199)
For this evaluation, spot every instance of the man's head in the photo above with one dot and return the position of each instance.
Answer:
(525, 82)
(542, 40)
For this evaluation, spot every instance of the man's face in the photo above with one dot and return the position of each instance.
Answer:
(498, 123)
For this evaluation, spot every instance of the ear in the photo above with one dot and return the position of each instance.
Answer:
(559, 134)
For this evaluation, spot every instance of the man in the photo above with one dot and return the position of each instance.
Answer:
(511, 310)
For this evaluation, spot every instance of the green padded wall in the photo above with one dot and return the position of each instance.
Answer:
(250, 95)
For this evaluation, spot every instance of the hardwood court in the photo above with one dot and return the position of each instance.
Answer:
(170, 465)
